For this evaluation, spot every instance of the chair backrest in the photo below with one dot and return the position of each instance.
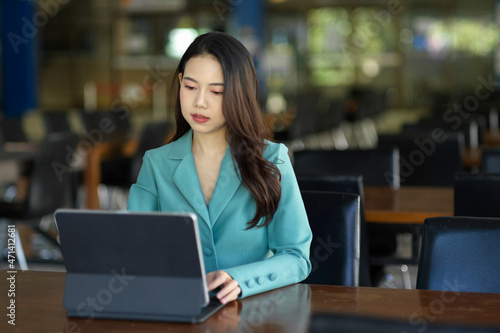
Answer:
(477, 194)
(427, 159)
(334, 219)
(472, 128)
(345, 184)
(11, 130)
(153, 135)
(306, 119)
(56, 121)
(460, 254)
(367, 102)
(379, 167)
(50, 181)
(106, 124)
(490, 160)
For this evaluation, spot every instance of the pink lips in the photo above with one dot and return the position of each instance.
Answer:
(199, 118)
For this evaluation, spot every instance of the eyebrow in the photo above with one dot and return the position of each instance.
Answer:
(210, 84)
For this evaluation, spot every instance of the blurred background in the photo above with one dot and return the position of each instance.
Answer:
(417, 55)
(334, 75)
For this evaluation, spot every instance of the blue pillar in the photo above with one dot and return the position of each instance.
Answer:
(250, 14)
(249, 18)
(19, 27)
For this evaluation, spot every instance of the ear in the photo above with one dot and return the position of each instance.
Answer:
(180, 78)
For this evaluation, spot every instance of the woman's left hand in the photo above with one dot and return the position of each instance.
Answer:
(229, 288)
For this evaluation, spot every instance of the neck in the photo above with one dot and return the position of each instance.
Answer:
(209, 144)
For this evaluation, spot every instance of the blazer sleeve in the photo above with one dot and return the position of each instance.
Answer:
(289, 238)
(143, 194)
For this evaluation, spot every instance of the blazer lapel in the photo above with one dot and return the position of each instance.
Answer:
(186, 177)
(228, 183)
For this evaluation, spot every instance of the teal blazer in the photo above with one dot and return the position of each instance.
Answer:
(259, 259)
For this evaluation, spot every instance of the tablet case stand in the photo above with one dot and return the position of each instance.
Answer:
(131, 265)
(113, 293)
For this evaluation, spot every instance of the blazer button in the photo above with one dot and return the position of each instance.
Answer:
(273, 276)
(260, 280)
(207, 252)
(250, 283)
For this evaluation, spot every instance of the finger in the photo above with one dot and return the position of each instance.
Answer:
(228, 289)
(210, 277)
(218, 280)
(233, 295)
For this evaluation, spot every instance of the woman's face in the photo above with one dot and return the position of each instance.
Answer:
(200, 94)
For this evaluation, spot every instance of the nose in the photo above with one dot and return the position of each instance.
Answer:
(200, 100)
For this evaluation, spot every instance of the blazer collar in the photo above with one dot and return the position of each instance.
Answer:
(228, 183)
(182, 147)
(186, 180)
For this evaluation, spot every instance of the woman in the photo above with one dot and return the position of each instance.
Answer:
(253, 227)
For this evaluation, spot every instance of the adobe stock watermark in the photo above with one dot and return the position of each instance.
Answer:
(454, 116)
(97, 303)
(322, 250)
(420, 319)
(483, 90)
(89, 139)
(261, 310)
(122, 106)
(425, 148)
(31, 26)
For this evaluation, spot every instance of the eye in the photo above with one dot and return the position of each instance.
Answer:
(218, 93)
(188, 87)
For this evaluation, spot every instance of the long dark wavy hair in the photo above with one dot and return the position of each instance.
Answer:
(241, 109)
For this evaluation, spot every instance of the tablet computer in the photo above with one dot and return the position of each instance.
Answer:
(133, 265)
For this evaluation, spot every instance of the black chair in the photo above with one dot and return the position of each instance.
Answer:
(153, 135)
(345, 184)
(106, 125)
(490, 160)
(334, 219)
(123, 171)
(460, 254)
(363, 102)
(56, 121)
(306, 119)
(49, 184)
(379, 167)
(427, 159)
(11, 130)
(477, 194)
(472, 128)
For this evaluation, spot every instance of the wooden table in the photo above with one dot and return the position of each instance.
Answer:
(405, 210)
(472, 156)
(491, 138)
(39, 308)
(407, 205)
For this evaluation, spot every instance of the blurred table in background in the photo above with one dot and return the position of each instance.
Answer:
(404, 210)
(407, 205)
